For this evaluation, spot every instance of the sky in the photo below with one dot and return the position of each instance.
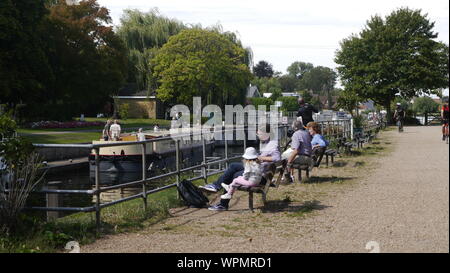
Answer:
(284, 31)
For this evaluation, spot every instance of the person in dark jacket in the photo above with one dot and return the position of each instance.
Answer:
(306, 111)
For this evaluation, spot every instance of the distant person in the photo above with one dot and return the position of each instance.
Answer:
(156, 128)
(106, 131)
(115, 130)
(445, 117)
(399, 116)
(140, 135)
(306, 111)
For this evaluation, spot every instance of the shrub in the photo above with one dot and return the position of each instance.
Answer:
(124, 110)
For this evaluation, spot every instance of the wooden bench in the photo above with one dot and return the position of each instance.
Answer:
(269, 175)
(330, 153)
(317, 155)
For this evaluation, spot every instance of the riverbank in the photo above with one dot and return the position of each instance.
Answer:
(37, 236)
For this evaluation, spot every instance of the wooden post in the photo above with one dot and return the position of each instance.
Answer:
(53, 200)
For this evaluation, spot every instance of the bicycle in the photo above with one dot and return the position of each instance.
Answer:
(400, 125)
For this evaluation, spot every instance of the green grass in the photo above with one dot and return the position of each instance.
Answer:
(68, 138)
(83, 135)
(38, 236)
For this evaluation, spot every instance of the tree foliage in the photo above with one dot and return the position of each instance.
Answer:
(263, 69)
(298, 69)
(425, 105)
(267, 85)
(202, 63)
(24, 66)
(143, 34)
(58, 60)
(398, 55)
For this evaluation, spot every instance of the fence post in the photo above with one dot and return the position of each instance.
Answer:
(226, 151)
(351, 129)
(204, 171)
(97, 189)
(53, 200)
(144, 175)
(177, 163)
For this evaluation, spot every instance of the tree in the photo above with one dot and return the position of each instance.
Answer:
(87, 58)
(288, 83)
(143, 34)
(348, 100)
(267, 85)
(263, 70)
(24, 66)
(202, 63)
(261, 101)
(298, 69)
(289, 104)
(425, 105)
(397, 55)
(320, 80)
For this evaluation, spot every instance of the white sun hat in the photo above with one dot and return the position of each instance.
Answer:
(250, 153)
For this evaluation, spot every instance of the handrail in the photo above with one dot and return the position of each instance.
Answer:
(99, 189)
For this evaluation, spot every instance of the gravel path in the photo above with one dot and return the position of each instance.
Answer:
(401, 202)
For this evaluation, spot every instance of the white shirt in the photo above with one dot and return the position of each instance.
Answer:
(115, 130)
(141, 136)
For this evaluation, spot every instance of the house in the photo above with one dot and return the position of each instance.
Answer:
(368, 105)
(253, 92)
(141, 103)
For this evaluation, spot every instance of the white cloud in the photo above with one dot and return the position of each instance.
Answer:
(285, 31)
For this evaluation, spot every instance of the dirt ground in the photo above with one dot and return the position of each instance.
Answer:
(394, 196)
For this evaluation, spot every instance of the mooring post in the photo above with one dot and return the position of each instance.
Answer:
(97, 189)
(53, 200)
(144, 175)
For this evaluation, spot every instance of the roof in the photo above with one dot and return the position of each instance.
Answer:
(130, 90)
(253, 92)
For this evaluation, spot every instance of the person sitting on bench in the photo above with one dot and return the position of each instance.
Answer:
(317, 139)
(301, 148)
(269, 153)
(250, 178)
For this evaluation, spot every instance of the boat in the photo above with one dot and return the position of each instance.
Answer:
(160, 155)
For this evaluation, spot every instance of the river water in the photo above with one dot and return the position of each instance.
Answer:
(83, 179)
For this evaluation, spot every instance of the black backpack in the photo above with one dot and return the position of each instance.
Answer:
(191, 195)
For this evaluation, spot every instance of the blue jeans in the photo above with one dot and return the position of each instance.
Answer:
(234, 170)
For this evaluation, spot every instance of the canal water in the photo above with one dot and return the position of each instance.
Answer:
(83, 179)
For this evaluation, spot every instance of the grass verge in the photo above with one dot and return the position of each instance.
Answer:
(37, 236)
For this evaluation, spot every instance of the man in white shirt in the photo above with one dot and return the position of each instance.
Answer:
(115, 130)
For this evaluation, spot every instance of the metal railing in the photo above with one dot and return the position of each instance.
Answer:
(97, 206)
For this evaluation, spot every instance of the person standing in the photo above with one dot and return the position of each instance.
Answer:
(140, 135)
(445, 116)
(115, 130)
(306, 111)
(106, 133)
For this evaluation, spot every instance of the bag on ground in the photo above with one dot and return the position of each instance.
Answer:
(191, 195)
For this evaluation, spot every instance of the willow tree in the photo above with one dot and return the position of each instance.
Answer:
(395, 56)
(143, 34)
(202, 63)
